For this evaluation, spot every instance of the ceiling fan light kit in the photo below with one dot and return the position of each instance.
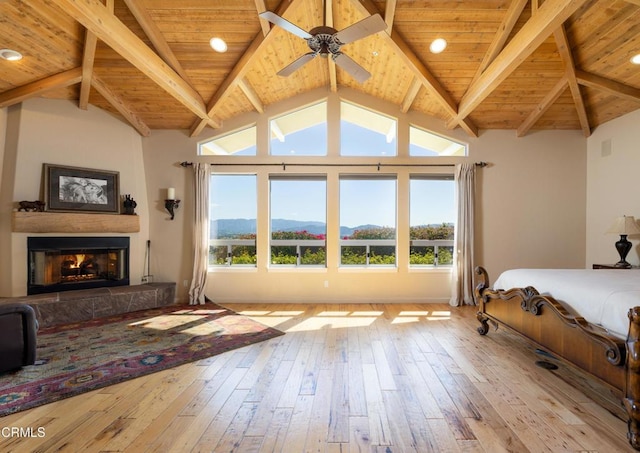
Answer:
(327, 41)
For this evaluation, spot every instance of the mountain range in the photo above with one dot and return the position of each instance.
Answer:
(233, 227)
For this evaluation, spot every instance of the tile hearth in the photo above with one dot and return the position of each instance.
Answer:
(83, 305)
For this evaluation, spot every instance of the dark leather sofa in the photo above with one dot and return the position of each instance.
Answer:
(18, 328)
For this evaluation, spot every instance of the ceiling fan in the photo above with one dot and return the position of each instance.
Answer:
(325, 41)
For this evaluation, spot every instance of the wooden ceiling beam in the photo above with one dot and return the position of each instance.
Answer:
(333, 73)
(549, 17)
(88, 60)
(156, 37)
(411, 94)
(506, 27)
(251, 95)
(402, 49)
(33, 89)
(548, 100)
(96, 18)
(564, 49)
(120, 105)
(608, 85)
(264, 23)
(239, 70)
(389, 14)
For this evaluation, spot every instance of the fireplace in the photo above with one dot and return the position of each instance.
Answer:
(70, 263)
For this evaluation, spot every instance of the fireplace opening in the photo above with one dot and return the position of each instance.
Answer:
(70, 263)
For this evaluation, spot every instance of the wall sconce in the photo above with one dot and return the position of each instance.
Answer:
(171, 204)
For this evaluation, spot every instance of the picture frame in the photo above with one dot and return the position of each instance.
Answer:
(76, 189)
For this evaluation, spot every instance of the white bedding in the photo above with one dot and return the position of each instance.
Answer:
(601, 296)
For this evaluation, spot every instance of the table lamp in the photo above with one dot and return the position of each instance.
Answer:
(624, 226)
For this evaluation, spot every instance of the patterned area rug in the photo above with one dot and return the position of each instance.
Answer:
(77, 358)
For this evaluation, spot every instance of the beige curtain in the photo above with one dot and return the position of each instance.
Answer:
(202, 176)
(462, 284)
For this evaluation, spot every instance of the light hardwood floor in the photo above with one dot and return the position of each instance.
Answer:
(345, 378)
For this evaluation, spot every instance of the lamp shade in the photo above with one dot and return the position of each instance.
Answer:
(624, 225)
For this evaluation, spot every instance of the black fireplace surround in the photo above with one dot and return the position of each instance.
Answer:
(71, 263)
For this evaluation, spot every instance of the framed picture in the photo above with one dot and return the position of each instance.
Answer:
(81, 189)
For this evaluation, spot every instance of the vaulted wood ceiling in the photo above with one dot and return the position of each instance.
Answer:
(509, 64)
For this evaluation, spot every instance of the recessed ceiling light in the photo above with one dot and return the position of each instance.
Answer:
(218, 45)
(438, 45)
(10, 55)
(635, 59)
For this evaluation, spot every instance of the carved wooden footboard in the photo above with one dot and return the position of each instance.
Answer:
(549, 324)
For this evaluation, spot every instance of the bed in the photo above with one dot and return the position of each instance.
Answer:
(590, 318)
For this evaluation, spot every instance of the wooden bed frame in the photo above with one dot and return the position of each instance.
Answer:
(550, 325)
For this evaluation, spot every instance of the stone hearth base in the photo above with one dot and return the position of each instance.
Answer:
(83, 305)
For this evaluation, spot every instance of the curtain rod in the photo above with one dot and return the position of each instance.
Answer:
(284, 165)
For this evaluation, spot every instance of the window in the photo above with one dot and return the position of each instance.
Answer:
(232, 213)
(423, 143)
(300, 133)
(432, 220)
(368, 220)
(298, 220)
(239, 143)
(366, 133)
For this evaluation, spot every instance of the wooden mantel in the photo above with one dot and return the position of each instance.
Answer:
(67, 222)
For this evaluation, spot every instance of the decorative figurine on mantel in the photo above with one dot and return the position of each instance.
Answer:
(129, 205)
(33, 206)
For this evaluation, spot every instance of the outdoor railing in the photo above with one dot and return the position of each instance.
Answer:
(441, 258)
(307, 252)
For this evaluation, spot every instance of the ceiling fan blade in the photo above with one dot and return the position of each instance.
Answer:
(354, 69)
(297, 64)
(284, 24)
(369, 26)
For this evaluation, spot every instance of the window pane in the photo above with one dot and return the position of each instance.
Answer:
(432, 220)
(300, 133)
(298, 221)
(232, 213)
(366, 133)
(423, 143)
(240, 143)
(367, 221)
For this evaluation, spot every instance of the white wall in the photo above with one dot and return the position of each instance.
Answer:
(531, 210)
(612, 180)
(58, 132)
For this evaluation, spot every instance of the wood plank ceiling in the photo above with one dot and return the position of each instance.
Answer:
(509, 64)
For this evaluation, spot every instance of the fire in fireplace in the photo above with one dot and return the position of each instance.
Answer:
(68, 263)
